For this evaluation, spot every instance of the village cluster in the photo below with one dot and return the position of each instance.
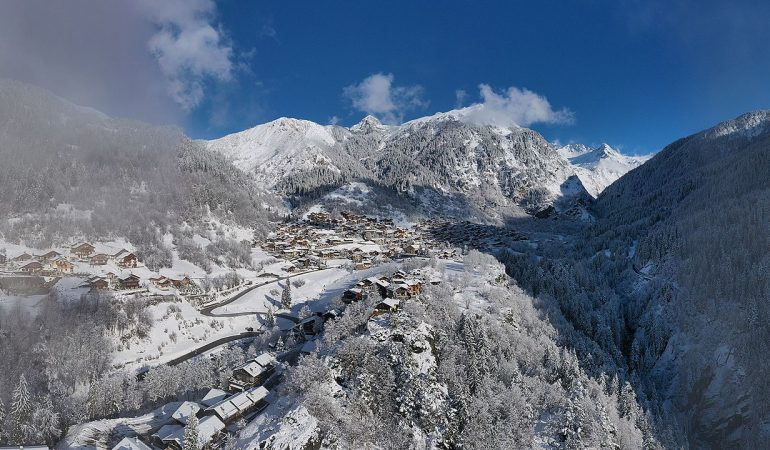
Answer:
(245, 397)
(247, 394)
(364, 241)
(102, 266)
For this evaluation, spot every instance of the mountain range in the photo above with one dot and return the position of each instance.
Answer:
(447, 155)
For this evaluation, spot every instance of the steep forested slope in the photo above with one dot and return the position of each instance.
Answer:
(123, 176)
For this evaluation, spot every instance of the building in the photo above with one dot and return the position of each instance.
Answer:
(129, 282)
(389, 305)
(98, 259)
(49, 256)
(31, 267)
(240, 405)
(130, 443)
(82, 250)
(126, 259)
(62, 265)
(253, 373)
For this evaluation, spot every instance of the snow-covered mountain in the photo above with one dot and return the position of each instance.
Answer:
(599, 167)
(444, 155)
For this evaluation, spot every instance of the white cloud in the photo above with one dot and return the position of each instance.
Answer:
(188, 46)
(460, 96)
(334, 120)
(377, 95)
(512, 107)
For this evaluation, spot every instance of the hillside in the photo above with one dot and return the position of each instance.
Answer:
(124, 177)
(477, 169)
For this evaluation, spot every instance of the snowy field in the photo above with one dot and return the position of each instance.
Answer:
(260, 299)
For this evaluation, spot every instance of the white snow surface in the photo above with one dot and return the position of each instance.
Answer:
(599, 167)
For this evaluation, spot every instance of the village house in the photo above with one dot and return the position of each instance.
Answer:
(48, 256)
(22, 258)
(3, 259)
(99, 259)
(129, 282)
(353, 295)
(388, 305)
(240, 405)
(31, 267)
(82, 250)
(97, 284)
(129, 443)
(125, 259)
(253, 373)
(62, 265)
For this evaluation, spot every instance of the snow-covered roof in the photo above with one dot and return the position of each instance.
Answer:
(128, 443)
(184, 411)
(239, 403)
(213, 397)
(208, 427)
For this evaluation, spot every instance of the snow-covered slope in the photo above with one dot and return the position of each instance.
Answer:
(487, 166)
(278, 148)
(599, 167)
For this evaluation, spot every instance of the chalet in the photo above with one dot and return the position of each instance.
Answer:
(213, 396)
(22, 258)
(129, 443)
(412, 249)
(161, 282)
(184, 411)
(98, 259)
(129, 282)
(240, 405)
(253, 373)
(82, 250)
(62, 265)
(309, 326)
(382, 287)
(171, 436)
(181, 282)
(97, 284)
(49, 256)
(126, 259)
(389, 305)
(399, 291)
(31, 267)
(352, 295)
(415, 287)
(364, 264)
(3, 259)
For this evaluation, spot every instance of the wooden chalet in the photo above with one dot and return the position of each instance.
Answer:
(82, 250)
(49, 256)
(99, 259)
(253, 373)
(126, 259)
(32, 267)
(129, 282)
(97, 284)
(62, 265)
(22, 258)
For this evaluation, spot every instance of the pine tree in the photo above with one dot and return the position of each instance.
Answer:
(286, 295)
(191, 434)
(270, 318)
(2, 420)
(21, 413)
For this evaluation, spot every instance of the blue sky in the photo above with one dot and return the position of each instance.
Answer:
(635, 74)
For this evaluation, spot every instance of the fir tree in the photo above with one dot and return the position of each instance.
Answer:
(21, 412)
(191, 434)
(286, 295)
(270, 318)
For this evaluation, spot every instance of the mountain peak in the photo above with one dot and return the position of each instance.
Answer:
(748, 125)
(367, 124)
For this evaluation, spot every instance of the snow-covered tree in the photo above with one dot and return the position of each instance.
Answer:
(286, 295)
(191, 438)
(20, 414)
